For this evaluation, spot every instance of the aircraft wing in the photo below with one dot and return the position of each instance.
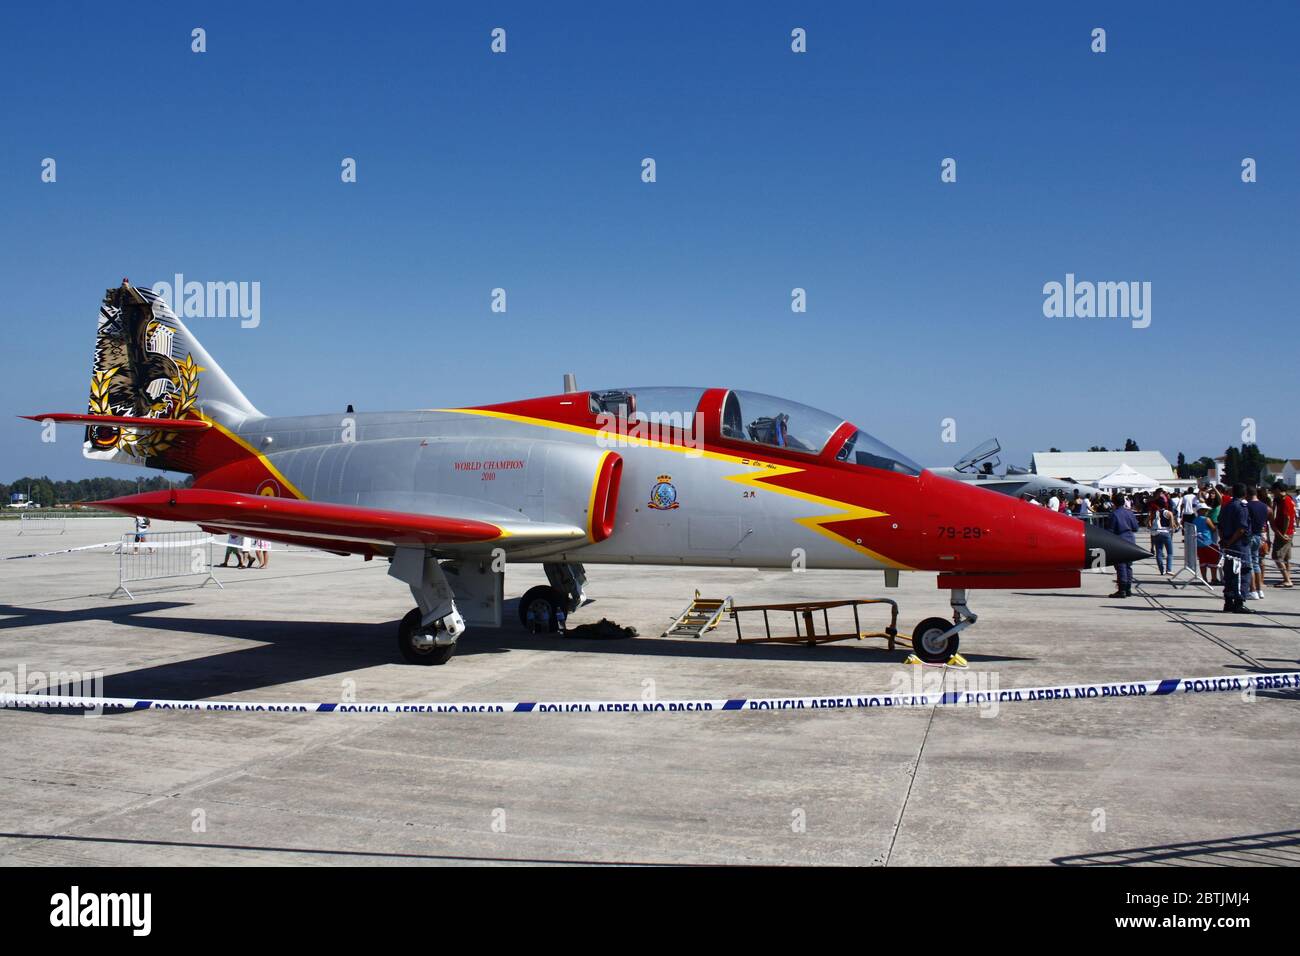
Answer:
(340, 528)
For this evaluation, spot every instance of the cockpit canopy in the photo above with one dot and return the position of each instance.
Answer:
(767, 420)
(983, 456)
(861, 449)
(755, 418)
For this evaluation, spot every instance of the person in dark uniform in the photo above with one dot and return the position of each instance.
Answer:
(1234, 541)
(1125, 524)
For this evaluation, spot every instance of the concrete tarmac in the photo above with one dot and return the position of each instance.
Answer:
(1201, 780)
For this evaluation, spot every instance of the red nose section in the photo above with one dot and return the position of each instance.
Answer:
(976, 530)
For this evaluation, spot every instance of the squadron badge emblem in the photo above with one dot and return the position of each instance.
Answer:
(663, 496)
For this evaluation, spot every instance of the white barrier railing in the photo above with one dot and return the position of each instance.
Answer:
(41, 524)
(166, 554)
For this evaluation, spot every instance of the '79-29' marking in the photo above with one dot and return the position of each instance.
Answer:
(969, 532)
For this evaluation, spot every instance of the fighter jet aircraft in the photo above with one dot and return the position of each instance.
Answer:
(451, 496)
(978, 467)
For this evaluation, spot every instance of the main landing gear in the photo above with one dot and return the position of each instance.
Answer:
(428, 633)
(419, 644)
(935, 641)
(543, 609)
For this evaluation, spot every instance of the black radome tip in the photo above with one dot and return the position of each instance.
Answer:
(1113, 548)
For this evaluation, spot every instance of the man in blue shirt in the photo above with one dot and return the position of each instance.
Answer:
(1234, 540)
(1125, 524)
(1260, 513)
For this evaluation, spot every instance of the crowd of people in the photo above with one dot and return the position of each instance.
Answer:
(1236, 530)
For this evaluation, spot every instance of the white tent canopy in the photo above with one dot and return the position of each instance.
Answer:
(1126, 477)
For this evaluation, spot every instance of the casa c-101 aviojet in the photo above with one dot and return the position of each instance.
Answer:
(709, 477)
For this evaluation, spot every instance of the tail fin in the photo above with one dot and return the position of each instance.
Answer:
(147, 364)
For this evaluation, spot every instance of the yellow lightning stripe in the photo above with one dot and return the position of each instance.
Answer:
(845, 511)
(275, 472)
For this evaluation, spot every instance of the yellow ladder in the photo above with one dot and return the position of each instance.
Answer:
(702, 614)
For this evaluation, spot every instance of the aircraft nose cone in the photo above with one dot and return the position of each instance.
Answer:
(1114, 548)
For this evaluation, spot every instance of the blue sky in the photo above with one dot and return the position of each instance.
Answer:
(775, 170)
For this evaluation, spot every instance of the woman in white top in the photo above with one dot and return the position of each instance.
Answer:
(1162, 537)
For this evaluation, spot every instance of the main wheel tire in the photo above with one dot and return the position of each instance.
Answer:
(927, 643)
(414, 653)
(540, 608)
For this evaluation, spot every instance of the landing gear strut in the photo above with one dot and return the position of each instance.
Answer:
(570, 583)
(428, 633)
(935, 641)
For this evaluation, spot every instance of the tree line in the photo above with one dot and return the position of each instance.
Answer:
(1246, 464)
(48, 493)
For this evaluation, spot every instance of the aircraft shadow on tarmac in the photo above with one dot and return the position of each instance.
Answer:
(288, 651)
(1281, 848)
(13, 616)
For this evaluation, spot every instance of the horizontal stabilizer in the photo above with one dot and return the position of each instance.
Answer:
(123, 421)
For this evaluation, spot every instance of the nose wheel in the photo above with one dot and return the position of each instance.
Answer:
(935, 639)
(931, 641)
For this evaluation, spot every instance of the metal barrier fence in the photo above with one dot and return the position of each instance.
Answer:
(41, 524)
(165, 554)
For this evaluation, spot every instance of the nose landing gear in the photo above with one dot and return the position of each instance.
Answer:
(935, 641)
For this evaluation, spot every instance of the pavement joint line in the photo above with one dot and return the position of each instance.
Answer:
(37, 839)
(443, 828)
(916, 769)
(45, 782)
(34, 840)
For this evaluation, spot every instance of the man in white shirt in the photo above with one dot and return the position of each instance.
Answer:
(141, 532)
(1053, 503)
(234, 549)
